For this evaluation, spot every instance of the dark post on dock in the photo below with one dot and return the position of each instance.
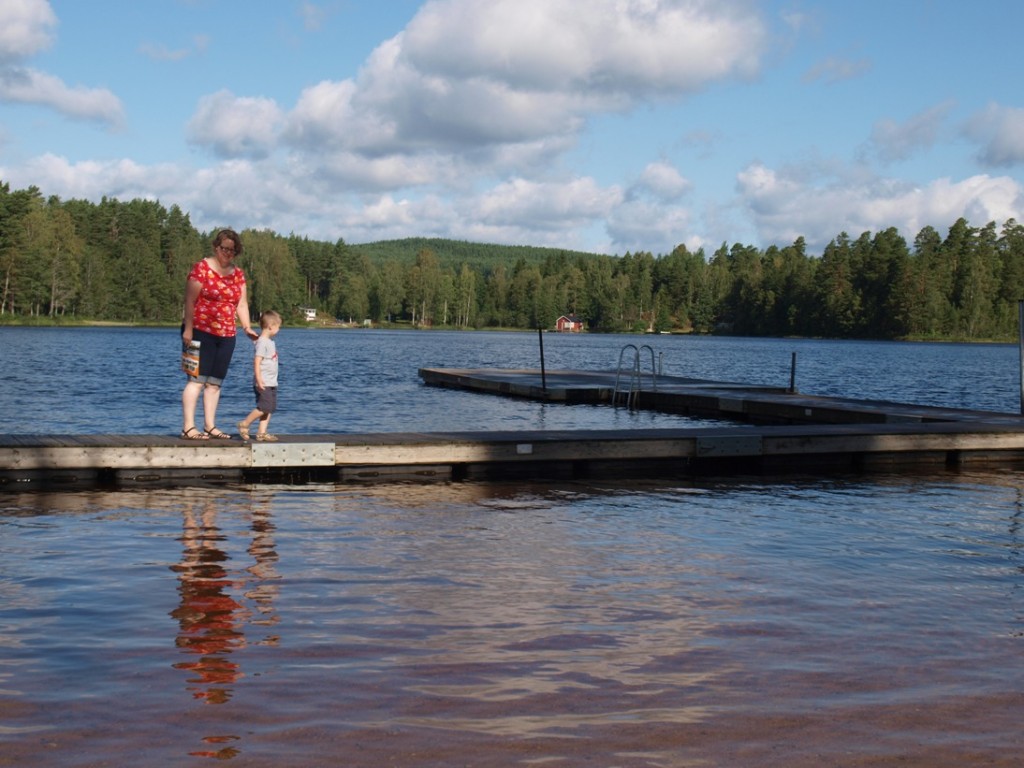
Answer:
(1020, 346)
(543, 373)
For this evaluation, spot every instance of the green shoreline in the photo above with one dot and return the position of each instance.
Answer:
(49, 322)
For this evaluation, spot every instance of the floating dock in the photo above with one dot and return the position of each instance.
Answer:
(765, 430)
(748, 403)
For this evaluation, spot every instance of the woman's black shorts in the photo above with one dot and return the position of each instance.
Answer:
(214, 356)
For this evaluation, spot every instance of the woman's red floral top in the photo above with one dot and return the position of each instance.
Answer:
(218, 299)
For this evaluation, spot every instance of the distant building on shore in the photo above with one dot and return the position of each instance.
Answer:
(568, 324)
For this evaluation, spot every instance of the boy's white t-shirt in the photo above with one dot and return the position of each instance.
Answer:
(266, 350)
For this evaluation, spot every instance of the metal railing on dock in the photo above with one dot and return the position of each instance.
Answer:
(631, 395)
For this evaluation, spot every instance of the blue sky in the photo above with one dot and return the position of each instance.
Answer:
(602, 125)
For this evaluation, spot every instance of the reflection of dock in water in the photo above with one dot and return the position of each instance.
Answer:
(765, 429)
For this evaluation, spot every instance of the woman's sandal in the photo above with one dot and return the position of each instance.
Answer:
(216, 434)
(193, 434)
(266, 437)
(243, 430)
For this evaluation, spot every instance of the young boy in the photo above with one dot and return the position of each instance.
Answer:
(264, 378)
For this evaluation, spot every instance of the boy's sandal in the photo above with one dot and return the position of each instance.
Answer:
(243, 430)
(266, 437)
(216, 434)
(193, 434)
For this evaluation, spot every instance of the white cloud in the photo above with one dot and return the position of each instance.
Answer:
(547, 205)
(630, 49)
(663, 181)
(27, 86)
(236, 127)
(892, 141)
(649, 217)
(471, 96)
(357, 173)
(471, 75)
(258, 195)
(470, 93)
(25, 28)
(387, 212)
(1000, 131)
(639, 225)
(123, 179)
(785, 206)
(325, 118)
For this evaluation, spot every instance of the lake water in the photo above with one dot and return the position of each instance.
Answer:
(848, 620)
(126, 381)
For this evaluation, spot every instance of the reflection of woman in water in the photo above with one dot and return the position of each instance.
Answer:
(211, 621)
(208, 616)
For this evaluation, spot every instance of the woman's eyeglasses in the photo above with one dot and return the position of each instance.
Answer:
(222, 249)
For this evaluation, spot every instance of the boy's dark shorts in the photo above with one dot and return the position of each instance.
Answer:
(266, 401)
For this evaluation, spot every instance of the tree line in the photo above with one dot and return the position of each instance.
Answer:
(76, 260)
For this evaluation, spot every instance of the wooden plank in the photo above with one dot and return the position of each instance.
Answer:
(119, 457)
(892, 443)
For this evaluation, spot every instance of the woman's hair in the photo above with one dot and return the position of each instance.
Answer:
(269, 316)
(228, 234)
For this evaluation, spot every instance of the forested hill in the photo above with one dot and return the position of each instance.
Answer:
(453, 253)
(77, 260)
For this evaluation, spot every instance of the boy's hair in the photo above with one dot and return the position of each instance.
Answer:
(269, 316)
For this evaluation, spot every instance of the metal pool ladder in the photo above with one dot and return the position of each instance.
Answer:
(630, 395)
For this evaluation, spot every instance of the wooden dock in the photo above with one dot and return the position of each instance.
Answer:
(769, 431)
(748, 403)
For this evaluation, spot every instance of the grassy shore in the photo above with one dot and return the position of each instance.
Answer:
(78, 322)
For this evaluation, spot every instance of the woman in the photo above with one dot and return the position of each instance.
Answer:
(214, 295)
